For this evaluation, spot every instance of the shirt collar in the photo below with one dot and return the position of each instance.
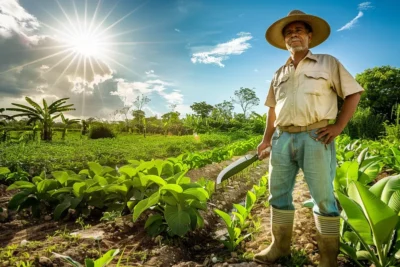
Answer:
(309, 55)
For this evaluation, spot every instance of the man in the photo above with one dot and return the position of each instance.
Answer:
(301, 99)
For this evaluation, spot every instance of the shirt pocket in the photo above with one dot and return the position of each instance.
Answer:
(315, 82)
(281, 87)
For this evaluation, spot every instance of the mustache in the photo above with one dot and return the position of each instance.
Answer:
(294, 39)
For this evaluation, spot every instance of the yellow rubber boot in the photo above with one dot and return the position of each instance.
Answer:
(327, 239)
(281, 230)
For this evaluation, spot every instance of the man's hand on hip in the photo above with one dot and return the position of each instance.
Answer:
(328, 133)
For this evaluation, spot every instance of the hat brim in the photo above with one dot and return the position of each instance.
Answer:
(320, 30)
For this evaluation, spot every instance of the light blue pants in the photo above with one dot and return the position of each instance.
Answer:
(292, 151)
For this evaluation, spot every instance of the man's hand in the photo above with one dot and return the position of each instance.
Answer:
(263, 150)
(328, 133)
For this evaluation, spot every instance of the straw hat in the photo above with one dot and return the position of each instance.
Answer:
(320, 29)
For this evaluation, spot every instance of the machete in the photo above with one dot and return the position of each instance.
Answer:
(238, 166)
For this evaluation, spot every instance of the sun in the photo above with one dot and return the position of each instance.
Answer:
(86, 44)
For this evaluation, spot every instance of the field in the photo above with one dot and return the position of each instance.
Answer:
(132, 201)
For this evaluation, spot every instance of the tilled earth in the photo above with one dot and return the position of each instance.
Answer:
(37, 239)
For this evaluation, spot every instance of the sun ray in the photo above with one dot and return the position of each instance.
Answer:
(104, 19)
(99, 65)
(59, 62)
(65, 69)
(121, 19)
(67, 17)
(77, 18)
(35, 61)
(121, 65)
(91, 65)
(94, 16)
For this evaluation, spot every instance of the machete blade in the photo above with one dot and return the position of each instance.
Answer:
(236, 167)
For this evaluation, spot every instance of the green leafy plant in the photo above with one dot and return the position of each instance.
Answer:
(371, 222)
(100, 262)
(177, 200)
(234, 233)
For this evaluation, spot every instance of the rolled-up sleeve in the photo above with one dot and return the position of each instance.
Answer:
(343, 82)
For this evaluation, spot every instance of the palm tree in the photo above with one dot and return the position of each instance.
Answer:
(44, 115)
(3, 117)
(67, 122)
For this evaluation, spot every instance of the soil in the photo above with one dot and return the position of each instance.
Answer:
(38, 239)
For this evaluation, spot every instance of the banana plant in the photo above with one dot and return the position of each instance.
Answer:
(370, 222)
(104, 260)
(44, 115)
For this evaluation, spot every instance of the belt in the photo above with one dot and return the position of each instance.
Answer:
(298, 129)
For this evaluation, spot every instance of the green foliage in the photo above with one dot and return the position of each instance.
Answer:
(100, 262)
(246, 98)
(177, 200)
(44, 115)
(202, 109)
(98, 131)
(365, 124)
(382, 89)
(371, 222)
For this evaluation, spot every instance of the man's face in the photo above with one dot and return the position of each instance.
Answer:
(297, 37)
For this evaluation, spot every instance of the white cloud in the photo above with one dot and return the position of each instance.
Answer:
(255, 70)
(177, 30)
(173, 98)
(361, 6)
(364, 6)
(222, 51)
(151, 74)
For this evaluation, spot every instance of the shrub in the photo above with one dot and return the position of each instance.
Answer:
(365, 125)
(100, 131)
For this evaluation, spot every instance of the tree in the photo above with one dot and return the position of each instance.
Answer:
(3, 117)
(202, 109)
(382, 89)
(139, 114)
(66, 123)
(44, 115)
(246, 98)
(141, 101)
(224, 110)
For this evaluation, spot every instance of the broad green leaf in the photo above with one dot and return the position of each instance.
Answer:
(170, 200)
(89, 263)
(364, 255)
(46, 185)
(100, 180)
(21, 185)
(156, 179)
(167, 169)
(60, 176)
(58, 211)
(145, 204)
(95, 188)
(55, 192)
(96, 168)
(106, 258)
(250, 200)
(242, 210)
(225, 216)
(4, 170)
(177, 220)
(349, 155)
(348, 250)
(37, 179)
(17, 199)
(67, 259)
(120, 189)
(356, 218)
(381, 218)
(171, 187)
(128, 170)
(152, 219)
(200, 193)
(362, 156)
(78, 188)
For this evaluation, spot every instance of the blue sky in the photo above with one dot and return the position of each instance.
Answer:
(174, 51)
